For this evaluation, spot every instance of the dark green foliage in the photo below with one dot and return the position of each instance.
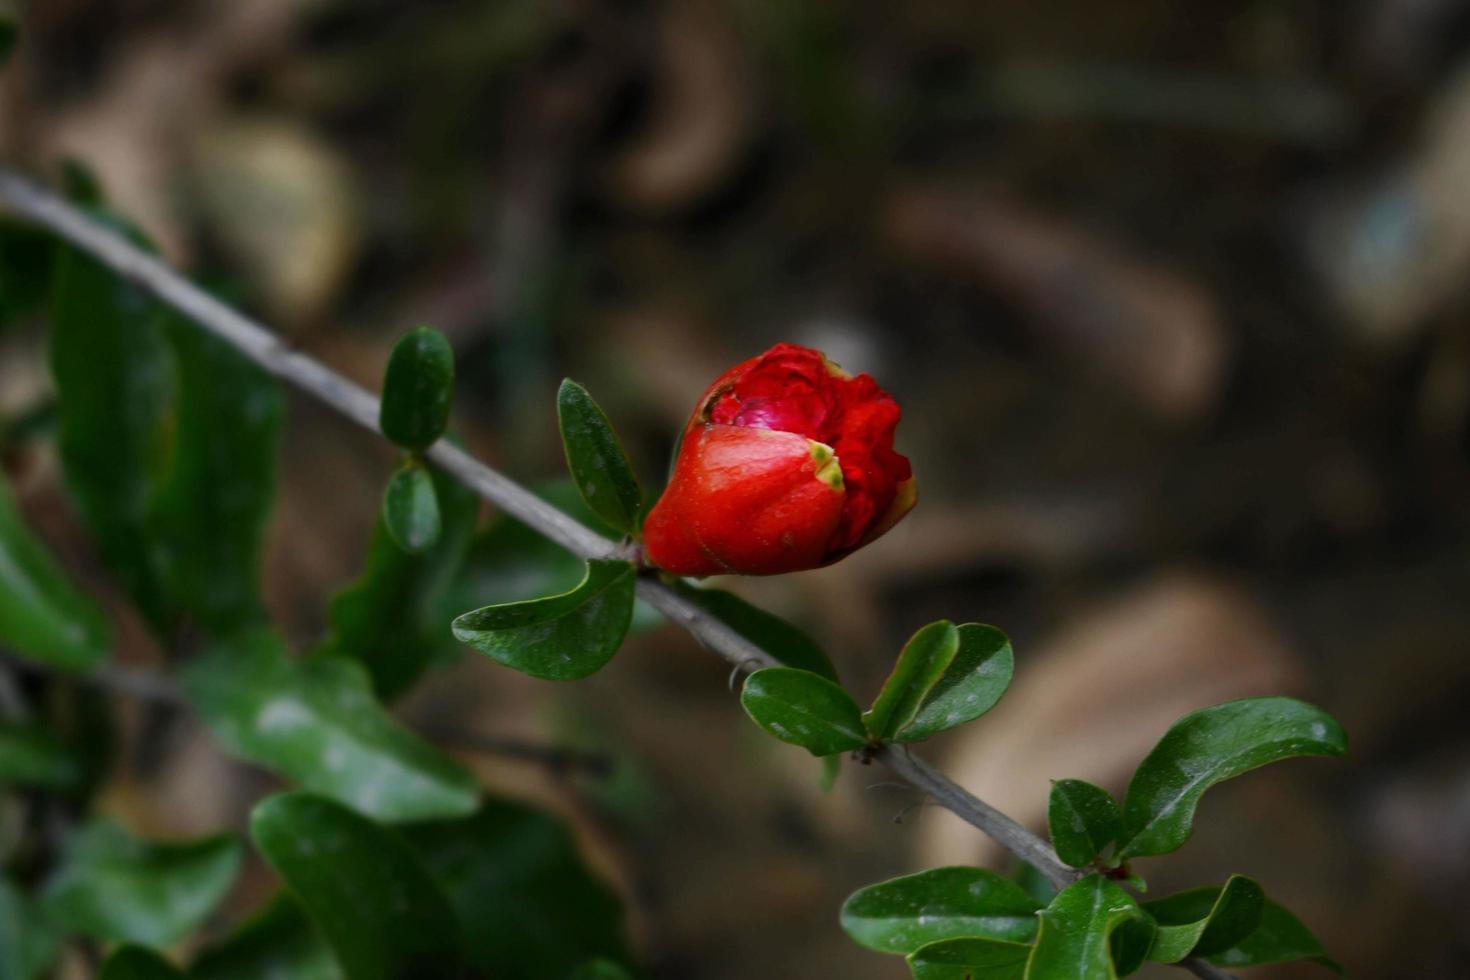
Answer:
(316, 722)
(32, 756)
(904, 914)
(596, 459)
(1205, 921)
(138, 963)
(279, 942)
(117, 887)
(29, 943)
(528, 907)
(1073, 941)
(42, 615)
(361, 884)
(418, 388)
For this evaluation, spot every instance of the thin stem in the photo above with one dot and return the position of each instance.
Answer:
(262, 346)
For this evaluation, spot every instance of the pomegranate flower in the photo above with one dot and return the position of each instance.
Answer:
(787, 463)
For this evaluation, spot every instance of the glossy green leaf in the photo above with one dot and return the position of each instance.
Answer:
(969, 686)
(596, 459)
(316, 722)
(904, 914)
(117, 887)
(280, 942)
(1083, 820)
(209, 517)
(411, 509)
(771, 633)
(29, 944)
(42, 615)
(804, 709)
(32, 756)
(920, 665)
(361, 884)
(114, 375)
(1131, 942)
(1203, 921)
(970, 958)
(562, 637)
(418, 388)
(600, 970)
(395, 618)
(138, 963)
(527, 904)
(1208, 746)
(1279, 938)
(1073, 942)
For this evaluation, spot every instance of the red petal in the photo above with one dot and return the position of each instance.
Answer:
(743, 500)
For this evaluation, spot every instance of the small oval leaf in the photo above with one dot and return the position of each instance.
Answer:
(138, 963)
(802, 708)
(1074, 939)
(1204, 921)
(923, 661)
(970, 958)
(563, 637)
(119, 888)
(411, 509)
(596, 459)
(1083, 820)
(1209, 746)
(418, 388)
(361, 884)
(902, 915)
(970, 685)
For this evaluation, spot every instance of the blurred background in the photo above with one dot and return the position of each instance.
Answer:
(1173, 296)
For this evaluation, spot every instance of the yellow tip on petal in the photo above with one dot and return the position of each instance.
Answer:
(829, 470)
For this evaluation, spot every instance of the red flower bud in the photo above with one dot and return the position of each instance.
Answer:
(787, 463)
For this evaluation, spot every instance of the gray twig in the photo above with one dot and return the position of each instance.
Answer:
(253, 340)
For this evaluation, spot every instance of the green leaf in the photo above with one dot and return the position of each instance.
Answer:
(600, 970)
(42, 616)
(316, 722)
(395, 618)
(1083, 820)
(28, 942)
(1131, 942)
(27, 255)
(1208, 746)
(804, 709)
(1073, 942)
(969, 686)
(771, 633)
(1280, 938)
(279, 942)
(116, 887)
(114, 376)
(361, 884)
(418, 388)
(138, 963)
(411, 509)
(920, 665)
(903, 914)
(33, 756)
(528, 907)
(8, 34)
(596, 459)
(970, 958)
(562, 637)
(1203, 921)
(211, 510)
